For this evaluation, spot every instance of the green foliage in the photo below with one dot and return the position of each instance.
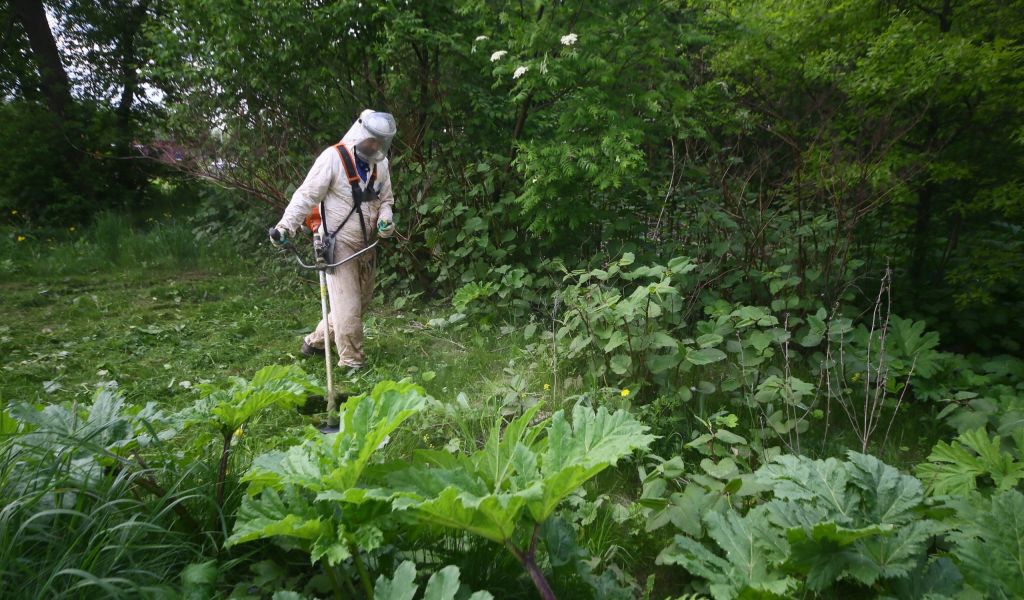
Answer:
(848, 520)
(508, 489)
(310, 495)
(229, 408)
(198, 580)
(988, 542)
(786, 153)
(955, 469)
(629, 336)
(91, 437)
(519, 474)
(83, 516)
(829, 522)
(979, 392)
(472, 292)
(753, 550)
(442, 585)
(903, 348)
(111, 231)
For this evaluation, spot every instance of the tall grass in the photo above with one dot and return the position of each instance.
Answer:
(66, 534)
(109, 233)
(166, 244)
(112, 244)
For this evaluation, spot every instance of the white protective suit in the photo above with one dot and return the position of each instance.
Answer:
(349, 286)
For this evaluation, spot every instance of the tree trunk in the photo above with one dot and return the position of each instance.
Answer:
(128, 51)
(54, 82)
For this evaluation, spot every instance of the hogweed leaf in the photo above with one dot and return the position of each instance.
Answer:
(888, 495)
(954, 469)
(275, 385)
(290, 493)
(487, 493)
(271, 514)
(443, 585)
(850, 520)
(820, 483)
(495, 461)
(400, 587)
(493, 516)
(754, 552)
(989, 542)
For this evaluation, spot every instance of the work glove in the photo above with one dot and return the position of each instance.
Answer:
(278, 237)
(385, 227)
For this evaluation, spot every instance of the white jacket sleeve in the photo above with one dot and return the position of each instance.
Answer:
(311, 192)
(387, 200)
(387, 195)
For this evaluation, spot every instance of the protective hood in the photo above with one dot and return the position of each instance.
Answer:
(371, 135)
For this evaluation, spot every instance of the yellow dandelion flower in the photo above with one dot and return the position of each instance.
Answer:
(547, 386)
(624, 392)
(21, 238)
(72, 228)
(14, 211)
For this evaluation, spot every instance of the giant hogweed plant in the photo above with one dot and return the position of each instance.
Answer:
(979, 478)
(832, 527)
(227, 409)
(313, 496)
(506, 491)
(971, 461)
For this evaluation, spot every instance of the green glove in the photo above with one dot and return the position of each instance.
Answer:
(278, 237)
(384, 225)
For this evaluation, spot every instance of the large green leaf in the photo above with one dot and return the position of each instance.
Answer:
(506, 453)
(332, 464)
(297, 488)
(989, 542)
(442, 585)
(576, 453)
(90, 435)
(286, 514)
(937, 579)
(851, 520)
(753, 554)
(275, 385)
(814, 484)
(954, 469)
(620, 363)
(493, 516)
(199, 580)
(887, 496)
(704, 356)
(400, 587)
(486, 493)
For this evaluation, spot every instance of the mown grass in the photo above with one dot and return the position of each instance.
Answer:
(74, 317)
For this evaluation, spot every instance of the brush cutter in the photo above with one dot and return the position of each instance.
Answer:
(321, 265)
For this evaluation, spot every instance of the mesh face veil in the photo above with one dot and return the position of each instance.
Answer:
(379, 130)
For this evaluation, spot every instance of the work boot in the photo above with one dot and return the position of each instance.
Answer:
(308, 350)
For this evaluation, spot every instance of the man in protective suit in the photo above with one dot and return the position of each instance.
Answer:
(350, 182)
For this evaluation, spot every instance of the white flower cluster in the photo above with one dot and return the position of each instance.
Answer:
(497, 55)
(520, 71)
(569, 40)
